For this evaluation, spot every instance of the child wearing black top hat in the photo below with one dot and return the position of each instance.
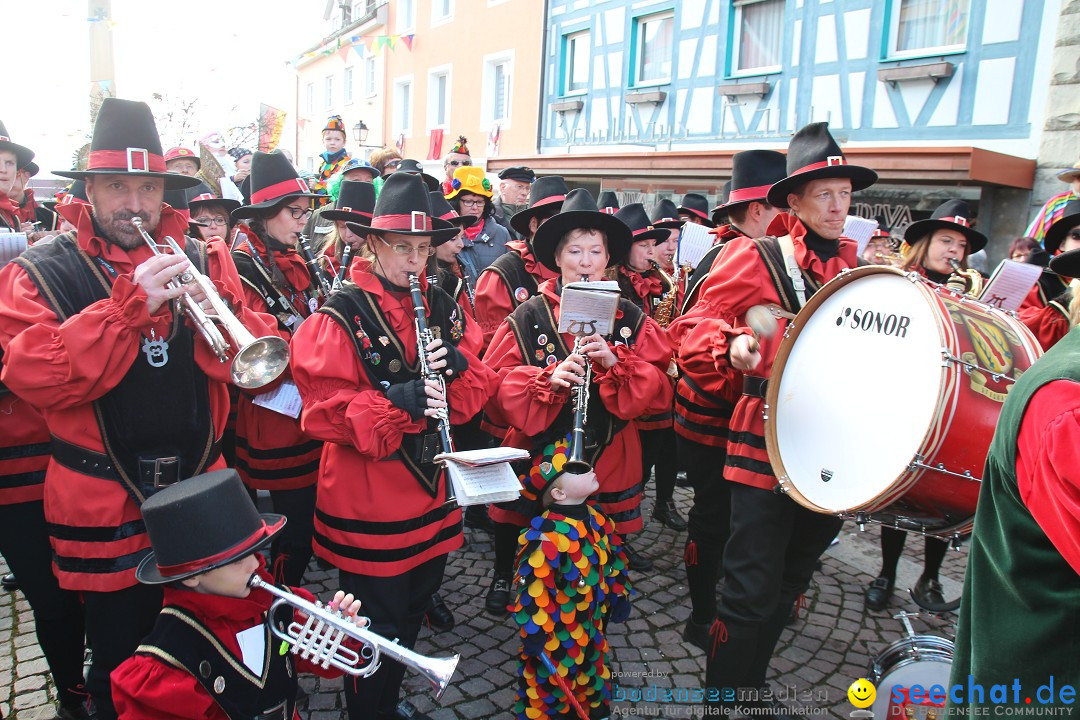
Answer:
(211, 654)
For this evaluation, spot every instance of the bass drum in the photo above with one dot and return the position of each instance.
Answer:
(884, 396)
(923, 660)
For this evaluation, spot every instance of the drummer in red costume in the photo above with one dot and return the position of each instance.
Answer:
(774, 543)
(382, 516)
(537, 374)
(514, 276)
(99, 348)
(702, 416)
(1046, 309)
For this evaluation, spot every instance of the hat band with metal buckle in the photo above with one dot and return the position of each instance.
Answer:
(417, 221)
(749, 193)
(958, 220)
(135, 160)
(205, 197)
(831, 161)
(279, 190)
(647, 228)
(609, 210)
(4, 138)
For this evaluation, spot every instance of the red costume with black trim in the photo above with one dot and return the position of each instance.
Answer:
(1046, 318)
(647, 290)
(495, 297)
(62, 368)
(637, 384)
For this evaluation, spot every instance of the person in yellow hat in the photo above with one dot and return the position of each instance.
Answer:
(485, 240)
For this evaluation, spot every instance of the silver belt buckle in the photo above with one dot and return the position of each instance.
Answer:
(163, 462)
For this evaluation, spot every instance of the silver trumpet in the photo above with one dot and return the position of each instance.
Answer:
(259, 361)
(320, 640)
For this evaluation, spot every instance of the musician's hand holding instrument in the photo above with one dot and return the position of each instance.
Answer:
(596, 348)
(155, 276)
(570, 372)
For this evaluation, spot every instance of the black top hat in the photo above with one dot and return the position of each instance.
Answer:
(356, 202)
(719, 213)
(951, 215)
(126, 142)
(608, 202)
(31, 168)
(403, 207)
(1067, 263)
(814, 155)
(273, 181)
(201, 524)
(1055, 234)
(753, 172)
(518, 172)
(640, 227)
(202, 194)
(579, 210)
(698, 206)
(444, 211)
(23, 155)
(546, 193)
(666, 215)
(414, 167)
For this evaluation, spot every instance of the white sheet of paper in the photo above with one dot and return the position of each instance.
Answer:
(253, 647)
(1010, 284)
(284, 399)
(588, 309)
(486, 456)
(483, 483)
(694, 241)
(859, 229)
(12, 245)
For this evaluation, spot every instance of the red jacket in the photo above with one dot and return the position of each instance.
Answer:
(61, 368)
(373, 517)
(495, 300)
(24, 451)
(738, 281)
(1046, 318)
(636, 385)
(272, 452)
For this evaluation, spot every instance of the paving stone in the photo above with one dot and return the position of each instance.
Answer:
(31, 699)
(31, 682)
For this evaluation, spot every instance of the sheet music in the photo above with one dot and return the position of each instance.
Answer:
(488, 456)
(483, 483)
(1010, 284)
(252, 644)
(582, 310)
(859, 229)
(12, 245)
(694, 241)
(284, 399)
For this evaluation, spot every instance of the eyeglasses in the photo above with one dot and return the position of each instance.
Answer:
(393, 163)
(217, 220)
(407, 250)
(475, 201)
(298, 213)
(456, 163)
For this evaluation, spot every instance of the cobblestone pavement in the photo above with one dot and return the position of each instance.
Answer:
(832, 643)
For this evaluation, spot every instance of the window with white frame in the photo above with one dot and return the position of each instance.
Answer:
(575, 60)
(403, 105)
(347, 89)
(309, 97)
(328, 91)
(654, 45)
(442, 11)
(758, 36)
(406, 15)
(369, 75)
(923, 27)
(438, 101)
(497, 88)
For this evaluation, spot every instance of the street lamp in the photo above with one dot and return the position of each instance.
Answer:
(360, 132)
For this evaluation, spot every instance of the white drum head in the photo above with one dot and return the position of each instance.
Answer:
(858, 391)
(925, 673)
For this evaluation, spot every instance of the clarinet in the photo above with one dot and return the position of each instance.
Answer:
(346, 259)
(317, 276)
(576, 462)
(424, 337)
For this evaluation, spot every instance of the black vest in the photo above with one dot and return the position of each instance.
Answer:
(180, 640)
(254, 275)
(383, 358)
(511, 268)
(159, 411)
(626, 287)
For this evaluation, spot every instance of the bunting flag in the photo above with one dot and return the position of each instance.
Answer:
(271, 121)
(370, 42)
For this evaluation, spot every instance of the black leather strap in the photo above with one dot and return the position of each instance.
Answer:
(154, 473)
(754, 386)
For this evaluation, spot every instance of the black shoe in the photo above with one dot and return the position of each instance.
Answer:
(8, 582)
(879, 593)
(476, 517)
(636, 561)
(666, 513)
(927, 594)
(75, 704)
(439, 616)
(405, 710)
(697, 634)
(498, 597)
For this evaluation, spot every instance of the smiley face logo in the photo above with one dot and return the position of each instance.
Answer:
(862, 693)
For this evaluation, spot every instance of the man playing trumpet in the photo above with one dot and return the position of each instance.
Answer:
(134, 400)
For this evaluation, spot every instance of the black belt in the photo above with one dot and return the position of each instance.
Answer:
(154, 473)
(754, 386)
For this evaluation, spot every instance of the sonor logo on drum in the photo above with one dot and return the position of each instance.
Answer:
(874, 321)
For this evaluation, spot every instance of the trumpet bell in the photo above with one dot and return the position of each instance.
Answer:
(260, 362)
(438, 671)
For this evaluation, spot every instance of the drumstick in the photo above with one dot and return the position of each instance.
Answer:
(762, 321)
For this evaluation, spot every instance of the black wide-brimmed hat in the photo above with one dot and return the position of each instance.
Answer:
(1055, 234)
(949, 215)
(415, 167)
(641, 228)
(579, 210)
(31, 168)
(698, 206)
(608, 202)
(202, 194)
(202, 524)
(546, 193)
(23, 154)
(355, 203)
(719, 213)
(814, 155)
(753, 173)
(273, 180)
(666, 215)
(126, 142)
(177, 200)
(441, 209)
(1066, 264)
(403, 208)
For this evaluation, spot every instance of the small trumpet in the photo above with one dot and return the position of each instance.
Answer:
(320, 640)
(259, 361)
(968, 282)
